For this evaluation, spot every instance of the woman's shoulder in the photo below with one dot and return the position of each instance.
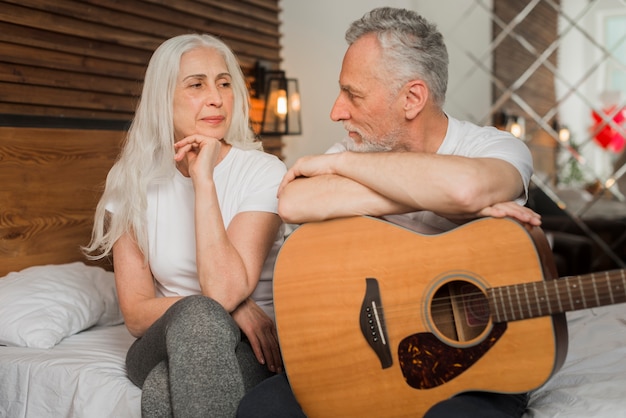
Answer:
(254, 155)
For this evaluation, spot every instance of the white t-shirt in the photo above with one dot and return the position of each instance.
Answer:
(468, 140)
(246, 180)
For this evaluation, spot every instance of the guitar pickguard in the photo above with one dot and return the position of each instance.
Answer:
(427, 362)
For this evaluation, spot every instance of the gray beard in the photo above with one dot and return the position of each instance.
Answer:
(386, 144)
(368, 146)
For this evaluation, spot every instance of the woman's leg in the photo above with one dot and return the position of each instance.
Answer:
(201, 344)
(155, 395)
(252, 371)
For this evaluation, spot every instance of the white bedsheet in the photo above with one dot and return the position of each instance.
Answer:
(84, 376)
(592, 382)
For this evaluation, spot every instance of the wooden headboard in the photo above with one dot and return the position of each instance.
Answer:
(50, 183)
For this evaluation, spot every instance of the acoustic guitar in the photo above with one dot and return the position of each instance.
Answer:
(375, 320)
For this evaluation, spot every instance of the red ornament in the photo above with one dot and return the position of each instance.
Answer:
(604, 134)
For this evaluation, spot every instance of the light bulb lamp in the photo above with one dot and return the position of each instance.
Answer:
(281, 112)
(516, 125)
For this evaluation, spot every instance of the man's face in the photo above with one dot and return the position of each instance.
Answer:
(367, 104)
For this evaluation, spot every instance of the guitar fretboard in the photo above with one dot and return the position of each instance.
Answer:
(535, 299)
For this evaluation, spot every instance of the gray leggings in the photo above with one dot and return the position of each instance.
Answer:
(192, 362)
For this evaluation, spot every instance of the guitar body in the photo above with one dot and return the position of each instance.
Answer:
(377, 320)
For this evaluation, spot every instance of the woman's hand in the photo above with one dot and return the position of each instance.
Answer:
(197, 155)
(261, 332)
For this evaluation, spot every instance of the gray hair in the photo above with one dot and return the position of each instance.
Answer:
(412, 47)
(148, 153)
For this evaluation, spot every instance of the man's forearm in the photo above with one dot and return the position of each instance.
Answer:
(330, 196)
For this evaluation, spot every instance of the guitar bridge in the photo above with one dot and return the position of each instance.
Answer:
(372, 323)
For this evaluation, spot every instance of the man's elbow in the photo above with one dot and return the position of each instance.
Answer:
(289, 212)
(469, 199)
(472, 199)
(293, 211)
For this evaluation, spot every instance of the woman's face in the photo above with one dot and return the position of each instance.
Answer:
(203, 98)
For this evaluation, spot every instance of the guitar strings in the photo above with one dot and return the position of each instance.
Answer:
(441, 305)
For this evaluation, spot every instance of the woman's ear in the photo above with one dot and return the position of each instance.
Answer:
(415, 99)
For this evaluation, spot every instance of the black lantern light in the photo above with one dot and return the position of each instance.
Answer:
(281, 114)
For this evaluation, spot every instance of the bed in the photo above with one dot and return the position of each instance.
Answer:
(62, 338)
(67, 360)
(592, 380)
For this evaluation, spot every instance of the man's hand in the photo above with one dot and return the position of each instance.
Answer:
(513, 210)
(309, 166)
(261, 332)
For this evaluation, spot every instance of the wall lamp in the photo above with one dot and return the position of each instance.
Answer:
(281, 113)
(515, 124)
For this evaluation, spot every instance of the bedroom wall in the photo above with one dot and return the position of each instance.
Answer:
(80, 64)
(59, 34)
(313, 46)
(312, 52)
(70, 76)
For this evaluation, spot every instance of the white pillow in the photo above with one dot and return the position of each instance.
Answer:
(41, 305)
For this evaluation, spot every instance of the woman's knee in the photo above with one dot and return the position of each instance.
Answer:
(197, 306)
(200, 314)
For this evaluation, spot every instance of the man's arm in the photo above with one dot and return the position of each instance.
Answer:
(347, 184)
(328, 196)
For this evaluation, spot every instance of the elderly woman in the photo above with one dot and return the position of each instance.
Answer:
(189, 214)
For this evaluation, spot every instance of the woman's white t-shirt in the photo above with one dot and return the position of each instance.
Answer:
(246, 180)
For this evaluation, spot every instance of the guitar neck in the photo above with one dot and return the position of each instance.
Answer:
(572, 293)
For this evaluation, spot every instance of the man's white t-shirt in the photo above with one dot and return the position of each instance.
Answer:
(468, 140)
(246, 180)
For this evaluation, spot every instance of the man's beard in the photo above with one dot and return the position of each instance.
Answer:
(384, 144)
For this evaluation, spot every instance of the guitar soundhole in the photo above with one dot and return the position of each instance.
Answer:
(459, 311)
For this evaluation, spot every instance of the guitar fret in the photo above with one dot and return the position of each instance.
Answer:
(595, 289)
(620, 292)
(546, 298)
(609, 287)
(582, 293)
(575, 286)
(537, 298)
(492, 298)
(504, 317)
(558, 295)
(616, 291)
(569, 286)
(519, 302)
(508, 292)
(530, 308)
(494, 305)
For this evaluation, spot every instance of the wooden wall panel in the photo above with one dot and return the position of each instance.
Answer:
(50, 183)
(83, 61)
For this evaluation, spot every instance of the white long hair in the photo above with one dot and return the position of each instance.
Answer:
(147, 156)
